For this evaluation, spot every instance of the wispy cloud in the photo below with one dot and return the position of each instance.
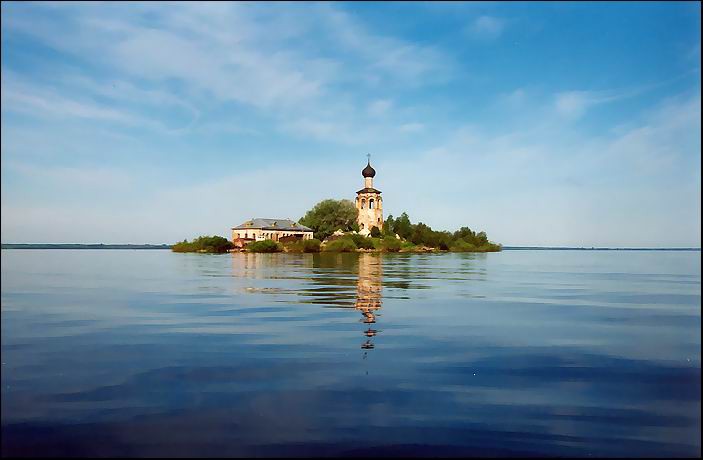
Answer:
(146, 109)
(379, 107)
(486, 28)
(411, 127)
(214, 54)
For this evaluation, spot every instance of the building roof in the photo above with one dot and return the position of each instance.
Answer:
(368, 171)
(368, 190)
(273, 224)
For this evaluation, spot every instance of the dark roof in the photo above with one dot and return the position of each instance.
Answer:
(368, 171)
(273, 224)
(368, 190)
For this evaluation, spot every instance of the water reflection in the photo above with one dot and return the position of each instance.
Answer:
(369, 287)
(338, 281)
(531, 353)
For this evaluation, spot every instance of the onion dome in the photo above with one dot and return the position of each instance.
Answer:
(368, 171)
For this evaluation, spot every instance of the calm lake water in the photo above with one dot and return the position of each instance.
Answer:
(151, 353)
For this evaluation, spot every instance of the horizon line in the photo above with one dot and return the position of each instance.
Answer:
(641, 248)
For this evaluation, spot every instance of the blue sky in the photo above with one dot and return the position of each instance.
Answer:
(539, 123)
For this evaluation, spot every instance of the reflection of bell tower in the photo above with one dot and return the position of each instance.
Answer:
(368, 294)
(369, 203)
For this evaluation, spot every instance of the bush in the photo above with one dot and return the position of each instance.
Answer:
(407, 246)
(312, 245)
(391, 244)
(207, 244)
(264, 246)
(463, 246)
(361, 241)
(340, 245)
(375, 232)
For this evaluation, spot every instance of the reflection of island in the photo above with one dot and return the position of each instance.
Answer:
(368, 294)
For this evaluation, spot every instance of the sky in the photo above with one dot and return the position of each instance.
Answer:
(546, 124)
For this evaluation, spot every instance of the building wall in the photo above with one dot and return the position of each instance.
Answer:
(369, 216)
(262, 234)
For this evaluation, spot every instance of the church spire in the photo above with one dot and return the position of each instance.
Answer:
(368, 171)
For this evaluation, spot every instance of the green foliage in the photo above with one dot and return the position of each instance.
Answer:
(463, 246)
(360, 241)
(340, 245)
(377, 243)
(391, 244)
(402, 226)
(265, 246)
(330, 215)
(206, 244)
(312, 245)
(420, 234)
(375, 232)
(388, 226)
(407, 246)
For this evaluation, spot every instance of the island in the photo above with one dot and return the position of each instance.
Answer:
(342, 226)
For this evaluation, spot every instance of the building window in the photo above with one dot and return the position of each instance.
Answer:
(363, 203)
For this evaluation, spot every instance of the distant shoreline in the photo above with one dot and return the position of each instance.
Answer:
(168, 246)
(83, 246)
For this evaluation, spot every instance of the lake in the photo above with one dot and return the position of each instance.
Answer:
(525, 352)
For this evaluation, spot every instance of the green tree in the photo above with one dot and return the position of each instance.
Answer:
(402, 226)
(330, 215)
(209, 244)
(388, 225)
(375, 232)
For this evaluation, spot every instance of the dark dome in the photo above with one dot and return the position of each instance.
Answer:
(368, 171)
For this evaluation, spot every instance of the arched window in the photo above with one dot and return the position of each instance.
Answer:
(371, 203)
(363, 203)
(246, 235)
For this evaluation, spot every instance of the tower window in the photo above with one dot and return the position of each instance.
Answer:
(371, 203)
(363, 203)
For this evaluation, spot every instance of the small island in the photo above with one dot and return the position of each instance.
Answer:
(342, 226)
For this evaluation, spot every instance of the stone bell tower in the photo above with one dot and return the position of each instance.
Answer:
(369, 202)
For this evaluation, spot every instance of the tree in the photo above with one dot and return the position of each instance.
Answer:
(402, 226)
(375, 232)
(328, 216)
(209, 244)
(388, 225)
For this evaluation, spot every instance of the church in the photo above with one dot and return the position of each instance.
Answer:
(369, 203)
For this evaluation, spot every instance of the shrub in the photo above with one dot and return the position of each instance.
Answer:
(407, 246)
(375, 232)
(264, 246)
(208, 244)
(463, 246)
(312, 245)
(361, 241)
(340, 245)
(391, 244)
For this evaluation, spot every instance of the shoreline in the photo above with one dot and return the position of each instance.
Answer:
(11, 246)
